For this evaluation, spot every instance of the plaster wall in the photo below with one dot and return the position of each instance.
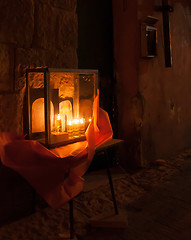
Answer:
(153, 102)
(125, 34)
(166, 126)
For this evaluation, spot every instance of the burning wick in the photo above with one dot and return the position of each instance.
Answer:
(75, 121)
(81, 120)
(69, 122)
(58, 123)
(76, 127)
(69, 128)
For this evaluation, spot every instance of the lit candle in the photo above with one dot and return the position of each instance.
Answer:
(76, 127)
(69, 128)
(58, 124)
(81, 120)
(82, 126)
(63, 120)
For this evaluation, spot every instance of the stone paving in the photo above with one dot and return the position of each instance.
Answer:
(162, 206)
(156, 201)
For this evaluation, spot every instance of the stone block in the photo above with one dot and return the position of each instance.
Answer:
(108, 220)
(68, 5)
(67, 30)
(32, 57)
(11, 106)
(11, 112)
(55, 28)
(17, 22)
(7, 67)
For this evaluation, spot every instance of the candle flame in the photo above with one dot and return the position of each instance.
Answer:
(70, 122)
(81, 120)
(75, 121)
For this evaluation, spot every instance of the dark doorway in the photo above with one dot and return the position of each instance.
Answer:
(95, 51)
(95, 45)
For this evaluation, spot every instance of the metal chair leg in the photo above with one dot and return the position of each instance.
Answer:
(111, 183)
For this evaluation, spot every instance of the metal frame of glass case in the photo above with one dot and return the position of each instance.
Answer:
(46, 85)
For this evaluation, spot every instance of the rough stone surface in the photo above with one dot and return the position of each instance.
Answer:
(66, 31)
(43, 34)
(69, 5)
(157, 203)
(26, 58)
(7, 67)
(54, 28)
(17, 22)
(11, 112)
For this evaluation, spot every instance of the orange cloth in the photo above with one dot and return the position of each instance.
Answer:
(56, 174)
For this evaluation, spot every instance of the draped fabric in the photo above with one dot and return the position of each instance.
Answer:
(56, 174)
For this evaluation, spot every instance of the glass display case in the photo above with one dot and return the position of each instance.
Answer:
(60, 104)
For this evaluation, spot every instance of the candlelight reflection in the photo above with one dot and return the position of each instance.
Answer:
(69, 104)
(38, 115)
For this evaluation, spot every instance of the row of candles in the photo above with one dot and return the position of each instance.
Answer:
(74, 127)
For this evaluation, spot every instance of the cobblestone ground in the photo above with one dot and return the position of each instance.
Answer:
(156, 200)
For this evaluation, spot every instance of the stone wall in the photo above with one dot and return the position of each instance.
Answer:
(34, 33)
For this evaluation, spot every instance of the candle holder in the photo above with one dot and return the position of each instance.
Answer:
(59, 104)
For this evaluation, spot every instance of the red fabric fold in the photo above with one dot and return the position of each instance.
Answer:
(55, 174)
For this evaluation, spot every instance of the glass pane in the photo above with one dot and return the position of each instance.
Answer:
(36, 105)
(72, 95)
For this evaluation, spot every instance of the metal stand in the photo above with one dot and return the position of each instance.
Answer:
(103, 148)
(112, 193)
(111, 183)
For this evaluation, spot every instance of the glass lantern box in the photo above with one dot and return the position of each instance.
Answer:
(60, 104)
